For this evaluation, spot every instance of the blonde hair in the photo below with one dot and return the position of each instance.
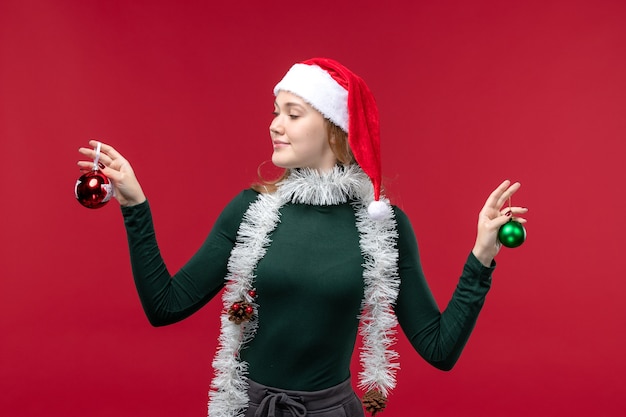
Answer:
(338, 141)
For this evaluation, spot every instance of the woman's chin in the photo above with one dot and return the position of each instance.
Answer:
(281, 162)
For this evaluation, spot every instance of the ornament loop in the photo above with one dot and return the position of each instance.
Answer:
(97, 158)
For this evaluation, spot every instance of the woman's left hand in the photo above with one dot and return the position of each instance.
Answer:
(491, 218)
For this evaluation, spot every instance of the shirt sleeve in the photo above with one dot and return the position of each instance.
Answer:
(439, 337)
(167, 298)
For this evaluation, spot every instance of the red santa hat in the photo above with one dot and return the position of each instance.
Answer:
(343, 97)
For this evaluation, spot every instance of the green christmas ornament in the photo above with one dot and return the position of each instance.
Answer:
(512, 234)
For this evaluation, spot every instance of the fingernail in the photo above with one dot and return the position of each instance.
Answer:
(508, 213)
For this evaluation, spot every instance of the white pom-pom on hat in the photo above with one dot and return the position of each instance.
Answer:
(379, 210)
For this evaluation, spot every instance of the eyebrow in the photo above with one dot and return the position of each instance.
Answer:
(291, 104)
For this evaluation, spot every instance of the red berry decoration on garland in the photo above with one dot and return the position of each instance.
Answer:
(240, 311)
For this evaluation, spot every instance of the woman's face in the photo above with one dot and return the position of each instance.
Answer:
(299, 135)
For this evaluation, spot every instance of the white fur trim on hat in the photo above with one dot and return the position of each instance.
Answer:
(319, 89)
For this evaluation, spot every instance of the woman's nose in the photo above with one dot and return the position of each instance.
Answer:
(276, 127)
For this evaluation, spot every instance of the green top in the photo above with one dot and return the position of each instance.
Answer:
(309, 287)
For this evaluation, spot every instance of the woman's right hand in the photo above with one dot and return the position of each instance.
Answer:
(492, 217)
(128, 192)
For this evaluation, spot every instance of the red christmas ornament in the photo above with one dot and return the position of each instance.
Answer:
(252, 293)
(235, 307)
(93, 189)
(249, 310)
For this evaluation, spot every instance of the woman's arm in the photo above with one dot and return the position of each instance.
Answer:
(167, 299)
(440, 337)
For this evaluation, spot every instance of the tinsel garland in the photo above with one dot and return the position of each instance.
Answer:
(228, 396)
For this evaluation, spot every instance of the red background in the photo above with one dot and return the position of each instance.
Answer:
(470, 93)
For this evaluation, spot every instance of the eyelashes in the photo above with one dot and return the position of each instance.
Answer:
(291, 116)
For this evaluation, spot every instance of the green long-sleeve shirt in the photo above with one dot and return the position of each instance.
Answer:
(310, 288)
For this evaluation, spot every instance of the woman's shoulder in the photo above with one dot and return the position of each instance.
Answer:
(242, 200)
(248, 195)
(399, 214)
(237, 206)
(403, 222)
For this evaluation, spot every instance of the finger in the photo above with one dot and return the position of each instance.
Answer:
(88, 152)
(91, 153)
(508, 211)
(499, 221)
(106, 149)
(114, 175)
(89, 164)
(507, 194)
(508, 214)
(494, 197)
(104, 159)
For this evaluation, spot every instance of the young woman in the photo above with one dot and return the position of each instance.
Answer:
(309, 259)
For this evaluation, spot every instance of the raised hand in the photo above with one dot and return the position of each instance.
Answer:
(128, 192)
(492, 216)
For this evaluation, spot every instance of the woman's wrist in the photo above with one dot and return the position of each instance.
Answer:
(132, 202)
(485, 257)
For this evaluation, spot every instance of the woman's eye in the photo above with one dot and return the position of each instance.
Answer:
(294, 116)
